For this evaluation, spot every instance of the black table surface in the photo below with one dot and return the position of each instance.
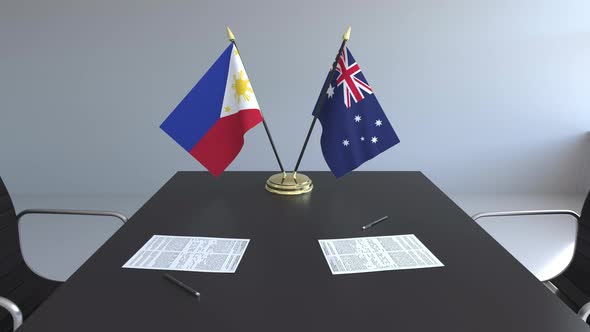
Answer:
(283, 282)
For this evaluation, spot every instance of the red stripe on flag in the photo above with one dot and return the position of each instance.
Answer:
(222, 143)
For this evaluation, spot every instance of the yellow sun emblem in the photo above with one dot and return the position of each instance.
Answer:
(241, 85)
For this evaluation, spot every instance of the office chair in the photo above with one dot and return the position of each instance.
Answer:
(570, 282)
(21, 289)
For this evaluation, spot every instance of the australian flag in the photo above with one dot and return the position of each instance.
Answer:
(355, 128)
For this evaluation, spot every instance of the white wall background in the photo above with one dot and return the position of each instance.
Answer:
(486, 96)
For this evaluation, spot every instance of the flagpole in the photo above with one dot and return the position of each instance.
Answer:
(323, 96)
(232, 39)
(296, 184)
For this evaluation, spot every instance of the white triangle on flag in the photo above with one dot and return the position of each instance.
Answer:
(239, 94)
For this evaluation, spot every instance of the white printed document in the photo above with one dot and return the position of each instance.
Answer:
(188, 253)
(377, 253)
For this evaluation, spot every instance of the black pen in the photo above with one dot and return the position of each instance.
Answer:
(373, 223)
(182, 285)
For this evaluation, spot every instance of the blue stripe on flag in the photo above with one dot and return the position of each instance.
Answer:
(200, 109)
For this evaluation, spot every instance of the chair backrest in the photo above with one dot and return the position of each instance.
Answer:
(574, 283)
(585, 214)
(10, 254)
(17, 282)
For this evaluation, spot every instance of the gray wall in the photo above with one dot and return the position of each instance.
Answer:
(486, 96)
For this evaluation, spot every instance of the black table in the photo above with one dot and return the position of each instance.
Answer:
(283, 282)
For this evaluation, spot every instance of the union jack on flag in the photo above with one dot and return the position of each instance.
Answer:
(352, 132)
(347, 76)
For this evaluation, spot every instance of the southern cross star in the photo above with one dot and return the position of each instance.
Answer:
(330, 91)
(374, 139)
(378, 123)
(345, 142)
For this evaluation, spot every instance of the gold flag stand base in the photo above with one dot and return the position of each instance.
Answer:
(289, 184)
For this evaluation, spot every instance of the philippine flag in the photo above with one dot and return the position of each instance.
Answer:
(210, 122)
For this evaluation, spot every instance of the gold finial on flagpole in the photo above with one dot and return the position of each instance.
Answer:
(346, 35)
(230, 34)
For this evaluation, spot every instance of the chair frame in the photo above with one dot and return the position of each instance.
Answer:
(584, 311)
(13, 310)
(11, 307)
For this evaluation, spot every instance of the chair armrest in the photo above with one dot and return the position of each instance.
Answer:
(584, 311)
(73, 212)
(525, 213)
(12, 308)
